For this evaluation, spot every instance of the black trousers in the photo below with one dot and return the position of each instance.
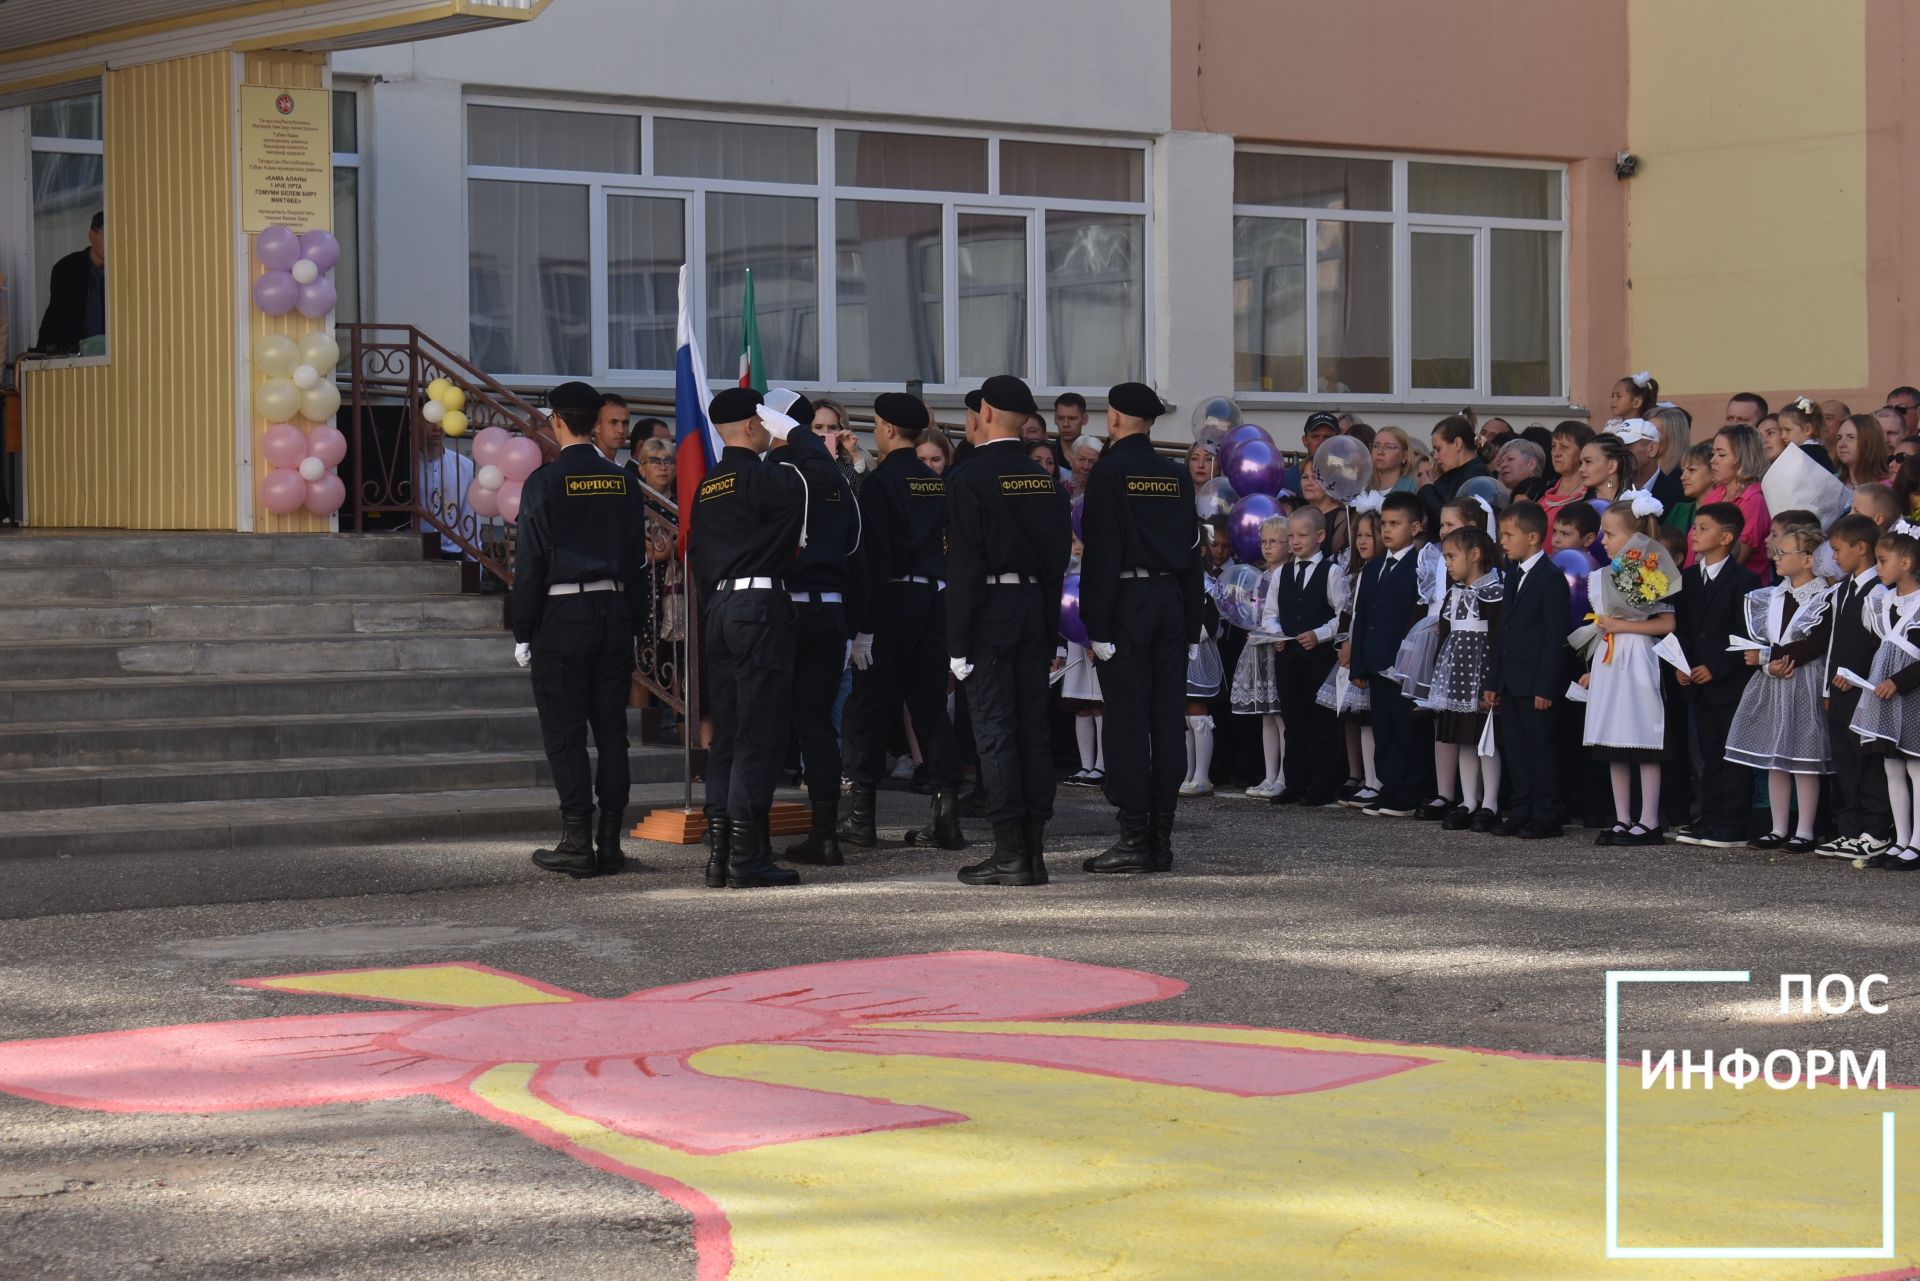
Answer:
(819, 657)
(1859, 782)
(582, 673)
(909, 666)
(1144, 692)
(747, 645)
(1316, 757)
(1532, 760)
(1726, 789)
(1393, 740)
(1007, 695)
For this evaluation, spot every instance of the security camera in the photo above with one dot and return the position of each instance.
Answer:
(1625, 164)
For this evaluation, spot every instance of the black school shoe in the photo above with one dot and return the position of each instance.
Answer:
(1801, 845)
(1486, 822)
(1885, 861)
(1638, 835)
(1612, 836)
(1457, 820)
(1434, 810)
(1771, 841)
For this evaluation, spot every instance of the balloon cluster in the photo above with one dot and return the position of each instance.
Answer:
(503, 461)
(301, 463)
(446, 408)
(296, 276)
(1252, 474)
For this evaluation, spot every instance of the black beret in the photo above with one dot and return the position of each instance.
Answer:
(1008, 395)
(973, 400)
(573, 395)
(1321, 418)
(901, 410)
(734, 405)
(1136, 400)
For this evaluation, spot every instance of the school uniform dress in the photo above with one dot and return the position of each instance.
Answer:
(1204, 670)
(1413, 661)
(1336, 692)
(1780, 724)
(1464, 670)
(1859, 792)
(1891, 726)
(1256, 692)
(1626, 717)
(1080, 680)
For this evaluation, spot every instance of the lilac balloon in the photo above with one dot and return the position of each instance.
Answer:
(1243, 525)
(1239, 436)
(282, 491)
(277, 248)
(316, 299)
(276, 293)
(1079, 505)
(1070, 625)
(1255, 467)
(320, 248)
(1576, 565)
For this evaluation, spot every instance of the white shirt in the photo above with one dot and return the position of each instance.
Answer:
(1526, 566)
(1709, 572)
(442, 489)
(1336, 596)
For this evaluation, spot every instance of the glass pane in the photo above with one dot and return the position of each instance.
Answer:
(778, 237)
(888, 268)
(1443, 311)
(1525, 313)
(1077, 173)
(1270, 304)
(1485, 192)
(913, 161)
(67, 192)
(68, 118)
(1354, 307)
(346, 229)
(726, 149)
(646, 243)
(527, 281)
(517, 137)
(346, 122)
(1095, 299)
(993, 295)
(1312, 182)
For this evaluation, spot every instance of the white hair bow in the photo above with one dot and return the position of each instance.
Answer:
(1371, 501)
(1804, 405)
(1644, 504)
(1904, 526)
(1641, 379)
(1486, 507)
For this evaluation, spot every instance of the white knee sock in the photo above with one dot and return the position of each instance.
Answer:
(1446, 769)
(1201, 728)
(1469, 781)
(1490, 783)
(1273, 744)
(1356, 767)
(1650, 795)
(1807, 796)
(1779, 796)
(1099, 742)
(1188, 780)
(1621, 775)
(1900, 800)
(1371, 774)
(1913, 787)
(1083, 731)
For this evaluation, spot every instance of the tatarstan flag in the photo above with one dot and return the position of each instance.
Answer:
(753, 370)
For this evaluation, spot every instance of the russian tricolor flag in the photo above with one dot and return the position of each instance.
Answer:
(698, 445)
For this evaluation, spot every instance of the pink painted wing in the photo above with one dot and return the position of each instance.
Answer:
(226, 1067)
(938, 985)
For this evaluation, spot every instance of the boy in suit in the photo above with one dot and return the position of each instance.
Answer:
(1711, 608)
(1309, 589)
(1862, 818)
(1389, 605)
(1530, 672)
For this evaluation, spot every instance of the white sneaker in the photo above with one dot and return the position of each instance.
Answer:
(1842, 847)
(1263, 791)
(1199, 787)
(902, 770)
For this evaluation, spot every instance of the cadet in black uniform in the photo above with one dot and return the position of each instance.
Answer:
(827, 585)
(1141, 599)
(900, 637)
(749, 518)
(1008, 543)
(578, 568)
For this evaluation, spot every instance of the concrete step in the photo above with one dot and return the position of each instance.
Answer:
(75, 786)
(108, 701)
(276, 656)
(282, 821)
(230, 580)
(114, 548)
(221, 619)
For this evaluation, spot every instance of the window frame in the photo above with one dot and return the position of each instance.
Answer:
(362, 203)
(31, 302)
(825, 194)
(1405, 224)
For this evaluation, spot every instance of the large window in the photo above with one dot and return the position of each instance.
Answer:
(69, 187)
(1397, 278)
(346, 203)
(878, 256)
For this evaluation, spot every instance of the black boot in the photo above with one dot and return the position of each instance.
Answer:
(1133, 852)
(574, 852)
(608, 857)
(1034, 834)
(822, 847)
(751, 865)
(1011, 863)
(719, 849)
(944, 831)
(1160, 833)
(857, 827)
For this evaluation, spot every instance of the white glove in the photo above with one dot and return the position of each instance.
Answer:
(1102, 650)
(778, 425)
(960, 668)
(860, 652)
(1193, 652)
(523, 653)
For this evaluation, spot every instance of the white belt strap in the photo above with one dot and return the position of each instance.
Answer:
(1470, 625)
(912, 578)
(808, 598)
(1010, 580)
(749, 584)
(574, 589)
(1142, 573)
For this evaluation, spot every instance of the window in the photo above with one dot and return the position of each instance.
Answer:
(1431, 280)
(69, 187)
(346, 204)
(878, 256)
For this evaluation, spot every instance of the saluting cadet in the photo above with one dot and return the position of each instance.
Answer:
(827, 585)
(900, 636)
(749, 518)
(1141, 600)
(1008, 543)
(578, 567)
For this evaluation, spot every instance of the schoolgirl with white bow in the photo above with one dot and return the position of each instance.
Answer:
(1464, 755)
(1888, 718)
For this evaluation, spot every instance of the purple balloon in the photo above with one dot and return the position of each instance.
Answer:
(1243, 526)
(1255, 467)
(1079, 505)
(320, 248)
(1070, 625)
(1576, 565)
(316, 299)
(276, 293)
(1237, 437)
(277, 248)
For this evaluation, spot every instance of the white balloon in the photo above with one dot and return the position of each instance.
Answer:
(490, 477)
(305, 376)
(305, 272)
(312, 469)
(433, 412)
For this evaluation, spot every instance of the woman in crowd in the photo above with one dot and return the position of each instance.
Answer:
(1041, 451)
(1569, 439)
(935, 450)
(1860, 451)
(832, 415)
(1333, 510)
(652, 463)
(1393, 462)
(1203, 463)
(1739, 461)
(1676, 437)
(1606, 467)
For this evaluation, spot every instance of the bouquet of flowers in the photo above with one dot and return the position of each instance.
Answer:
(1636, 580)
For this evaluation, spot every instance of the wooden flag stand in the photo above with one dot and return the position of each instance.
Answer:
(689, 826)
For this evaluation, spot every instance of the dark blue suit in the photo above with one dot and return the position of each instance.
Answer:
(1386, 609)
(1531, 662)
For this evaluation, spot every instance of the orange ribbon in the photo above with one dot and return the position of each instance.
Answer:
(1607, 654)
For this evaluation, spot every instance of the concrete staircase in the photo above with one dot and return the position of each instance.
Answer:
(214, 691)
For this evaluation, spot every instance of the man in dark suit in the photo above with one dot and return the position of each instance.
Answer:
(1710, 609)
(1530, 672)
(1388, 605)
(77, 294)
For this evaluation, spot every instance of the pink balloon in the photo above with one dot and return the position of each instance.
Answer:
(283, 445)
(319, 248)
(519, 458)
(316, 299)
(488, 443)
(276, 293)
(324, 496)
(485, 502)
(327, 443)
(508, 496)
(282, 491)
(277, 248)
